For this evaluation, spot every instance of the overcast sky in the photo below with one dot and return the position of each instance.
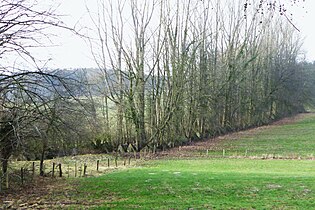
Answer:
(73, 52)
(305, 22)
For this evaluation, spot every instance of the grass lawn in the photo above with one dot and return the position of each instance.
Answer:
(206, 184)
(296, 139)
(201, 182)
(293, 140)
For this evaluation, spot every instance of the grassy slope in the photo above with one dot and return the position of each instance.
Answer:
(219, 183)
(289, 140)
(294, 139)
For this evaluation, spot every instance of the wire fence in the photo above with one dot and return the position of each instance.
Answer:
(65, 168)
(22, 172)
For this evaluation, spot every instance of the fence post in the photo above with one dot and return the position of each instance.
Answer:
(7, 180)
(33, 169)
(116, 164)
(129, 160)
(22, 176)
(108, 162)
(75, 169)
(84, 169)
(53, 170)
(223, 152)
(97, 164)
(60, 170)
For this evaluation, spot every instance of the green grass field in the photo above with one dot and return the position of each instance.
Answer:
(296, 139)
(293, 140)
(219, 183)
(208, 182)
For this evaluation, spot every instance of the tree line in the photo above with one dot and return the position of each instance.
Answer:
(184, 71)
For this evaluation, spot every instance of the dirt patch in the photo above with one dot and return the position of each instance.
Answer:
(44, 193)
(273, 186)
(290, 120)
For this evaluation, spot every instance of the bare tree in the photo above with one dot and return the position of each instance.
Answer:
(193, 69)
(23, 25)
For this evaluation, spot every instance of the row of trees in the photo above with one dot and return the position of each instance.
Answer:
(186, 70)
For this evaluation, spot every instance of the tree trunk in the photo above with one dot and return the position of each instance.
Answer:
(4, 163)
(42, 158)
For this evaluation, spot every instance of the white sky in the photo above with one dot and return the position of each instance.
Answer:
(304, 19)
(73, 52)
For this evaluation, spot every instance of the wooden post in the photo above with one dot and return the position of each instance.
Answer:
(33, 169)
(97, 165)
(207, 152)
(124, 162)
(116, 164)
(60, 170)
(43, 169)
(22, 176)
(129, 160)
(53, 170)
(108, 162)
(7, 180)
(75, 169)
(84, 169)
(223, 152)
